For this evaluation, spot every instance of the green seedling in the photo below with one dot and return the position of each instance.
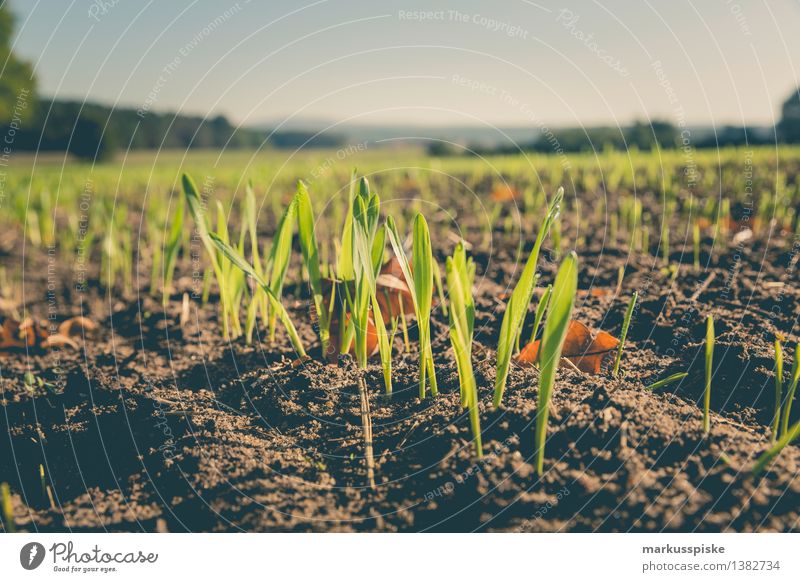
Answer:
(540, 309)
(776, 416)
(517, 305)
(620, 279)
(156, 266)
(787, 407)
(437, 280)
(555, 233)
(198, 212)
(170, 256)
(460, 278)
(555, 330)
(259, 301)
(308, 244)
(420, 282)
(8, 507)
(667, 381)
(518, 340)
(625, 325)
(234, 278)
(766, 458)
(710, 339)
(239, 262)
(367, 250)
(279, 257)
(344, 266)
(42, 481)
(367, 254)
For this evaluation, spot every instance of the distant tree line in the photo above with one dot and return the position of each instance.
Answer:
(88, 130)
(92, 131)
(644, 135)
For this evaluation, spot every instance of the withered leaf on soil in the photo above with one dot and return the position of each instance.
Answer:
(504, 193)
(595, 292)
(336, 331)
(581, 347)
(24, 334)
(393, 291)
(29, 333)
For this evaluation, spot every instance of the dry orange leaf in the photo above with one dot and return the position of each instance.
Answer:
(76, 326)
(394, 294)
(59, 341)
(23, 334)
(581, 347)
(29, 333)
(336, 330)
(595, 292)
(504, 193)
(703, 222)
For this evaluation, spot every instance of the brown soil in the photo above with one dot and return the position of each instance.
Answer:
(154, 427)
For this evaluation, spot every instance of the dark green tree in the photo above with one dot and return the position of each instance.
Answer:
(89, 142)
(789, 126)
(17, 85)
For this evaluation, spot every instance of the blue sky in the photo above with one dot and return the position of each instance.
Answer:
(515, 62)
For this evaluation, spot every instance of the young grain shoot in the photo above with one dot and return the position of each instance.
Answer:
(555, 330)
(710, 339)
(795, 376)
(420, 283)
(625, 325)
(517, 305)
(767, 457)
(540, 309)
(460, 274)
(239, 261)
(776, 415)
(367, 254)
(197, 210)
(308, 244)
(671, 379)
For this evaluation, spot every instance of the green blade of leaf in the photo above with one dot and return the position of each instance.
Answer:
(710, 338)
(555, 330)
(667, 381)
(540, 309)
(344, 266)
(308, 245)
(795, 377)
(422, 260)
(422, 270)
(200, 218)
(767, 457)
(625, 325)
(517, 305)
(461, 340)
